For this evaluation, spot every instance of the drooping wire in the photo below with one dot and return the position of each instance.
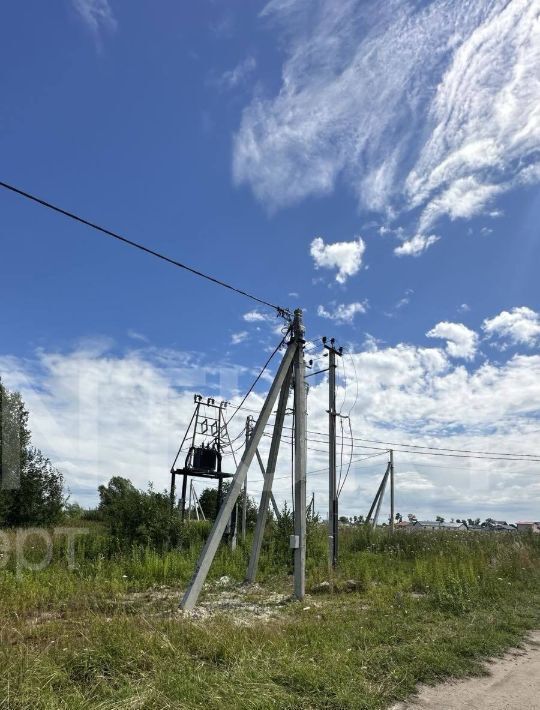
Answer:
(340, 455)
(261, 373)
(340, 488)
(345, 384)
(353, 405)
(513, 456)
(320, 471)
(108, 232)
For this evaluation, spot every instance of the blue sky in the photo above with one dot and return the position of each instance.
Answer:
(375, 165)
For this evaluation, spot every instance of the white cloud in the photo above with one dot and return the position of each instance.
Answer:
(135, 335)
(405, 300)
(346, 257)
(460, 341)
(97, 15)
(342, 313)
(97, 414)
(434, 107)
(464, 308)
(416, 245)
(256, 317)
(464, 198)
(233, 78)
(519, 326)
(237, 338)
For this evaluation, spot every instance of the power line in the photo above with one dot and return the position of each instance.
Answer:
(103, 230)
(481, 454)
(457, 456)
(442, 448)
(263, 369)
(350, 459)
(320, 471)
(486, 456)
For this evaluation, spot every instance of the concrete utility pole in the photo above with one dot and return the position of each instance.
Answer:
(333, 503)
(377, 501)
(300, 453)
(267, 496)
(184, 490)
(381, 496)
(293, 358)
(392, 492)
(263, 471)
(249, 421)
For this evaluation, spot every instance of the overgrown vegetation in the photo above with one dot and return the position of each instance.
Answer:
(31, 489)
(109, 634)
(89, 611)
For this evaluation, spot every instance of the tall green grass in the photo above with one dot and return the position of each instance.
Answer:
(422, 607)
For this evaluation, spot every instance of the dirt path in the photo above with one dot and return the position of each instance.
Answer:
(513, 684)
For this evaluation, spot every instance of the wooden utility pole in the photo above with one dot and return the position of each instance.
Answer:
(333, 503)
(300, 454)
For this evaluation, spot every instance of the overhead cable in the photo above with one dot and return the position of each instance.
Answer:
(108, 232)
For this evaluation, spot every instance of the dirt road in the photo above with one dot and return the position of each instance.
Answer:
(513, 684)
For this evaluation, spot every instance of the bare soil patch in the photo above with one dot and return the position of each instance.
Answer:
(512, 683)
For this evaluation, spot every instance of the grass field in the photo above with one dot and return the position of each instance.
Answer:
(108, 634)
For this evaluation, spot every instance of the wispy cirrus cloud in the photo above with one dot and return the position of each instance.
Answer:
(237, 76)
(416, 245)
(425, 111)
(240, 337)
(97, 15)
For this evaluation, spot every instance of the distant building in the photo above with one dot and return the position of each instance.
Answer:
(436, 525)
(529, 527)
(498, 526)
(404, 525)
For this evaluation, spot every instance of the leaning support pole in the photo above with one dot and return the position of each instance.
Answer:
(381, 496)
(377, 495)
(272, 499)
(244, 492)
(268, 480)
(300, 453)
(212, 543)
